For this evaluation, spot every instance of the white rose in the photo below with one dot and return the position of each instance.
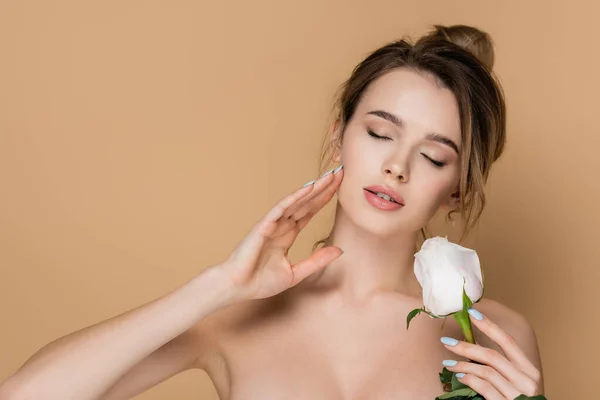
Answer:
(442, 267)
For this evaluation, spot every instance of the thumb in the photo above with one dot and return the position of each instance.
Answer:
(318, 260)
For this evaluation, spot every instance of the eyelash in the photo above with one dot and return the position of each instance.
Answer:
(436, 163)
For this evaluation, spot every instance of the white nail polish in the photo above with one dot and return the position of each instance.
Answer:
(308, 184)
(335, 171)
(327, 173)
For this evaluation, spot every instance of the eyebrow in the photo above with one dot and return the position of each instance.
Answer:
(434, 137)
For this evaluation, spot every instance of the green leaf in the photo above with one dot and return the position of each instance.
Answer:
(433, 315)
(465, 393)
(446, 376)
(467, 303)
(523, 397)
(443, 323)
(482, 285)
(456, 384)
(412, 314)
(462, 317)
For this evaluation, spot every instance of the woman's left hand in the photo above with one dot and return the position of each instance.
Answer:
(498, 377)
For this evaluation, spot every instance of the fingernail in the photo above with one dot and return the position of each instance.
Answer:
(475, 314)
(308, 183)
(448, 341)
(327, 173)
(335, 171)
(460, 375)
(449, 363)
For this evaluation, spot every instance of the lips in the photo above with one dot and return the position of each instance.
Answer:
(386, 190)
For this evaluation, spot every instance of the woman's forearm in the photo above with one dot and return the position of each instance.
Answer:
(84, 364)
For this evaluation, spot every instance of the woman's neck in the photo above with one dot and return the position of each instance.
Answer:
(370, 264)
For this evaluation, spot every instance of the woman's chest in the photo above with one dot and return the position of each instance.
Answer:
(306, 373)
(346, 357)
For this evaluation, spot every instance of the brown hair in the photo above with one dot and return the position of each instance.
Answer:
(461, 59)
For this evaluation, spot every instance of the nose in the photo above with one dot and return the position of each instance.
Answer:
(397, 168)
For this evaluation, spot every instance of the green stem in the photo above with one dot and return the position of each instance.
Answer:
(462, 317)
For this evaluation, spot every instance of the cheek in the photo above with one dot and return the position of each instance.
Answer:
(359, 162)
(432, 187)
(359, 157)
(354, 147)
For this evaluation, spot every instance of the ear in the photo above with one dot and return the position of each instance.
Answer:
(335, 135)
(452, 202)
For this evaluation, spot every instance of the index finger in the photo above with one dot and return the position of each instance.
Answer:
(279, 209)
(322, 185)
(313, 203)
(507, 343)
(250, 247)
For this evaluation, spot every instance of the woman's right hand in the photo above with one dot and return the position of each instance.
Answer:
(259, 266)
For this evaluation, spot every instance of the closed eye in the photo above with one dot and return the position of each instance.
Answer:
(434, 162)
(438, 164)
(376, 136)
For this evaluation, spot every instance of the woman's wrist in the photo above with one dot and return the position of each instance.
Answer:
(215, 288)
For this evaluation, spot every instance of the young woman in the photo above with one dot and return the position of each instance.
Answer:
(417, 129)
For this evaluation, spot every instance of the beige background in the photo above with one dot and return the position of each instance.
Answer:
(139, 141)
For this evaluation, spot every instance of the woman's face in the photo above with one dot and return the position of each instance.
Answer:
(417, 156)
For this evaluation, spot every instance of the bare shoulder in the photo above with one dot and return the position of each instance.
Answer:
(515, 324)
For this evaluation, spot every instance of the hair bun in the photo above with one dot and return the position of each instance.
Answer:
(476, 41)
